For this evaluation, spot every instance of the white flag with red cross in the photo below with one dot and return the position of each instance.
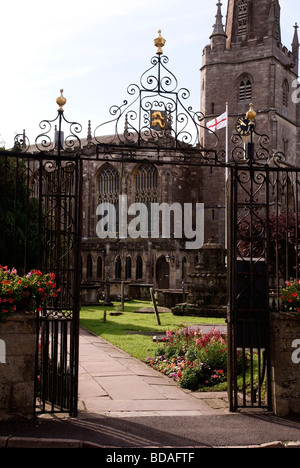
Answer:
(218, 123)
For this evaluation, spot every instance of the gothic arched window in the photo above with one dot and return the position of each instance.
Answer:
(146, 184)
(109, 191)
(109, 185)
(128, 267)
(242, 18)
(118, 268)
(139, 268)
(100, 268)
(146, 189)
(245, 90)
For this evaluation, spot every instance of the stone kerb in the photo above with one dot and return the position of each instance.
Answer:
(17, 366)
(285, 369)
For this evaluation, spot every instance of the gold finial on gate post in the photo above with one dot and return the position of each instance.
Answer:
(159, 42)
(251, 114)
(61, 101)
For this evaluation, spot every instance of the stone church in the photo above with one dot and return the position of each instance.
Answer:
(245, 62)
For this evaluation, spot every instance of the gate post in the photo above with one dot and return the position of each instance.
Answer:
(285, 363)
(17, 368)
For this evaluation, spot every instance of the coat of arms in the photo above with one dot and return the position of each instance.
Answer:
(158, 120)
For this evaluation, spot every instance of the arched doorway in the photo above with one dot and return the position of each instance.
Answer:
(162, 273)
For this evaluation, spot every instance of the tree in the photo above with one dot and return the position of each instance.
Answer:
(18, 214)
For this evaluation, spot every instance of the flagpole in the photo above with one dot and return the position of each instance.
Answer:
(226, 173)
(227, 140)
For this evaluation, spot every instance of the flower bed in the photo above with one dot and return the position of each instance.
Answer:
(290, 296)
(194, 360)
(31, 292)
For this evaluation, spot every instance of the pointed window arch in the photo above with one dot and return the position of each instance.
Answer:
(243, 9)
(109, 191)
(146, 188)
(245, 89)
(128, 270)
(100, 268)
(139, 268)
(118, 267)
(146, 184)
(108, 185)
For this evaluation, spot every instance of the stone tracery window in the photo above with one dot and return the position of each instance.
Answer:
(146, 189)
(109, 190)
(146, 184)
(109, 185)
(242, 18)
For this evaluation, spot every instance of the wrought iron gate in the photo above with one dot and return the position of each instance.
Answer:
(263, 226)
(58, 347)
(40, 209)
(263, 229)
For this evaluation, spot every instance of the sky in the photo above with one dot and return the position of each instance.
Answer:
(94, 49)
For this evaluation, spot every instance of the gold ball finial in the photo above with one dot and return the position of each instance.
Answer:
(251, 114)
(159, 42)
(61, 100)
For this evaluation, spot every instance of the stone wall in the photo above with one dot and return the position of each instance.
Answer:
(285, 371)
(17, 366)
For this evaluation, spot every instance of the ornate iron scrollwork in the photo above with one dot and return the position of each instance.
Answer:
(157, 116)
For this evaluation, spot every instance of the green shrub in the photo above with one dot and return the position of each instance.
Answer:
(192, 359)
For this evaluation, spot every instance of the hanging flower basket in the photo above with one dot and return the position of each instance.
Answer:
(290, 297)
(25, 293)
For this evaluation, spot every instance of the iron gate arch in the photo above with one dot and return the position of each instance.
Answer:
(156, 127)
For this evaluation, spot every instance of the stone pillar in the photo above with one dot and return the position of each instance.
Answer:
(285, 363)
(17, 366)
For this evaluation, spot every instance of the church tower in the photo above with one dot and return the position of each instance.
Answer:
(245, 63)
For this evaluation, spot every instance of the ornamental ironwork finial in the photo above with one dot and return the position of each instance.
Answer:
(159, 42)
(251, 114)
(61, 101)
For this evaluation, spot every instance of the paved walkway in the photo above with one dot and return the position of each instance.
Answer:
(112, 383)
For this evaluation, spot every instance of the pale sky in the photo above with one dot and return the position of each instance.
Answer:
(94, 49)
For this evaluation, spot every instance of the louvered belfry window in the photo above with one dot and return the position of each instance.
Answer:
(285, 93)
(245, 91)
(242, 18)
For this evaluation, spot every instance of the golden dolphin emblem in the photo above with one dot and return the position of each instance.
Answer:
(158, 119)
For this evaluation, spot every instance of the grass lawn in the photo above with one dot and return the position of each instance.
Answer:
(133, 332)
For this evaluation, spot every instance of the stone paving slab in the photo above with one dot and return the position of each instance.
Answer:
(113, 383)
